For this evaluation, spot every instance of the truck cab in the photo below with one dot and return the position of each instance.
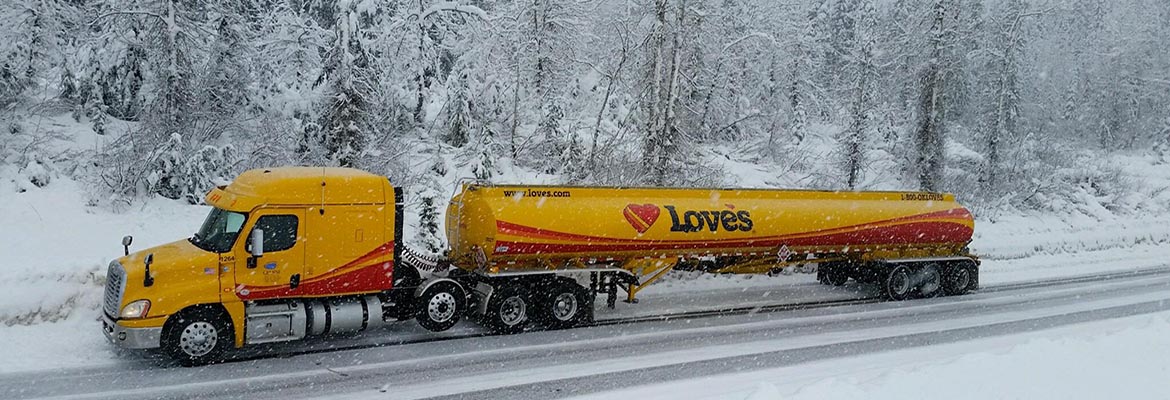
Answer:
(283, 254)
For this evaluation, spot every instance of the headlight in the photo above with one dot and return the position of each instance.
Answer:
(136, 309)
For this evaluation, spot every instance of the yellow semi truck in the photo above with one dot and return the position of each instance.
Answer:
(291, 253)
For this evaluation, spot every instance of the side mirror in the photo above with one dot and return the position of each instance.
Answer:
(257, 242)
(126, 240)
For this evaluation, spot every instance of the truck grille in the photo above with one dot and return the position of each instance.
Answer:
(115, 285)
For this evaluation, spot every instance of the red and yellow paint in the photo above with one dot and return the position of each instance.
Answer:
(371, 272)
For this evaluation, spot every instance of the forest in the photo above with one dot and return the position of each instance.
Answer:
(1005, 102)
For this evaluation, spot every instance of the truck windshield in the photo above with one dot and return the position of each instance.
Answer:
(219, 230)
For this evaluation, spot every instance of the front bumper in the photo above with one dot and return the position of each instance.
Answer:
(131, 338)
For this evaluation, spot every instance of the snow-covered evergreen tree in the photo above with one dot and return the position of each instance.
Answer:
(431, 198)
(863, 72)
(459, 108)
(227, 75)
(346, 78)
(485, 160)
(35, 38)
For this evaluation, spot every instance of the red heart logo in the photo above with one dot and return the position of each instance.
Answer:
(641, 216)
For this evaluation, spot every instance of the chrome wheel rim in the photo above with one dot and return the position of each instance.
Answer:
(441, 307)
(564, 306)
(512, 310)
(198, 339)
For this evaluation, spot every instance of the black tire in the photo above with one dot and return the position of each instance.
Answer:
(867, 274)
(198, 336)
(440, 306)
(958, 279)
(508, 310)
(932, 281)
(565, 305)
(836, 275)
(898, 284)
(708, 266)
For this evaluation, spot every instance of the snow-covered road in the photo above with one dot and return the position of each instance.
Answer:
(581, 361)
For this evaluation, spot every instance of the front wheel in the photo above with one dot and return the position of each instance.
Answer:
(197, 337)
(440, 306)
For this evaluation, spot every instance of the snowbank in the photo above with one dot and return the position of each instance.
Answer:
(55, 249)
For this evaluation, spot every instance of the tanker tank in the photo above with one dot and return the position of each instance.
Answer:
(525, 227)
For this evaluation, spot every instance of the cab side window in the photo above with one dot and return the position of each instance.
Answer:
(280, 232)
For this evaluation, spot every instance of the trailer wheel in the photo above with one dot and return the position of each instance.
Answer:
(932, 281)
(898, 284)
(440, 306)
(708, 266)
(958, 279)
(507, 310)
(566, 305)
(197, 336)
(867, 274)
(836, 275)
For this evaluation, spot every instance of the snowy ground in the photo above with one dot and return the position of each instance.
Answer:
(554, 364)
(1110, 359)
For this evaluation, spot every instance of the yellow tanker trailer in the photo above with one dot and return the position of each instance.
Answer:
(570, 243)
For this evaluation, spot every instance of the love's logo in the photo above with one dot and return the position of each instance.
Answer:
(641, 216)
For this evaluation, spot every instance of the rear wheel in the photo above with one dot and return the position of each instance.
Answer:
(708, 266)
(836, 275)
(932, 281)
(507, 310)
(958, 279)
(197, 337)
(565, 305)
(440, 306)
(898, 284)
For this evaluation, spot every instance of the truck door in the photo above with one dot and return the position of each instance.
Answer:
(278, 272)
